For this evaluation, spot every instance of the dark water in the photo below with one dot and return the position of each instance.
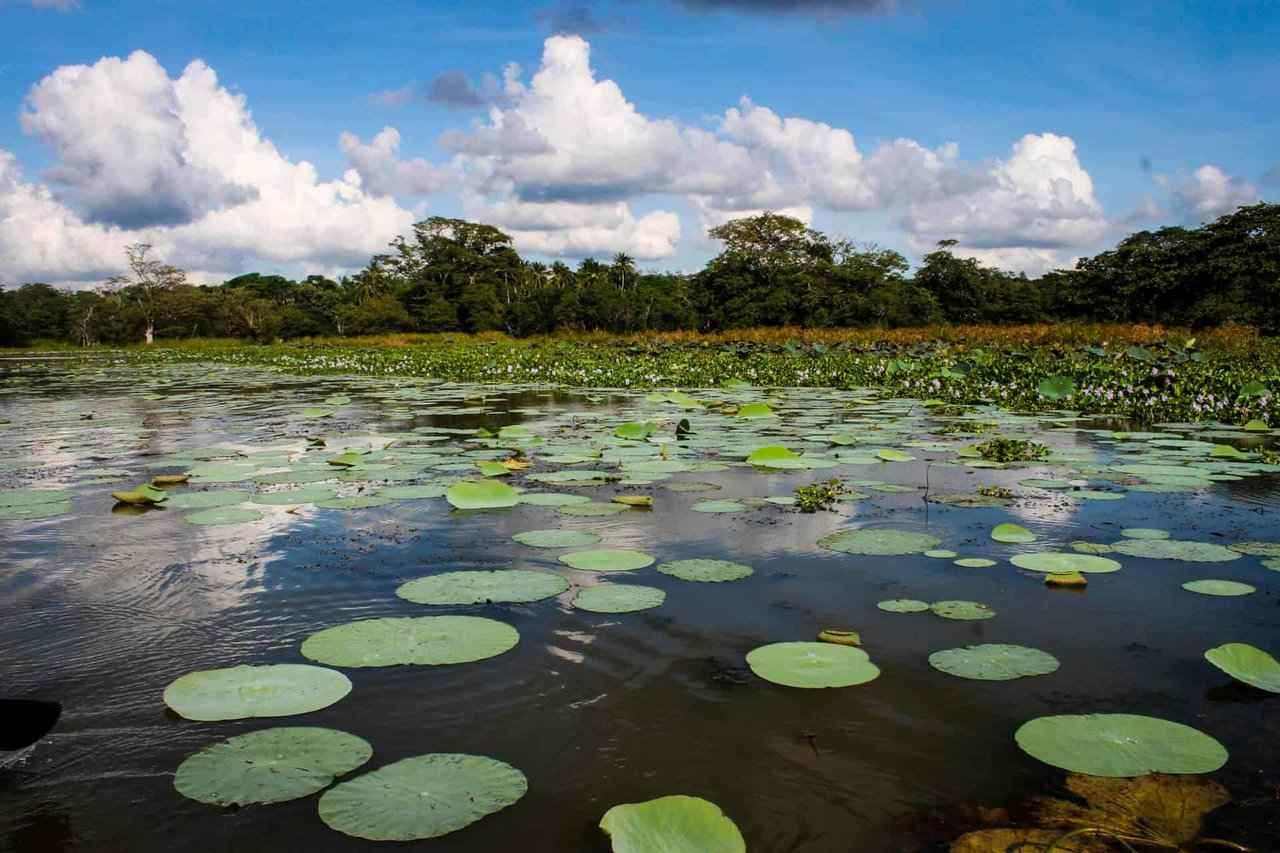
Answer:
(100, 610)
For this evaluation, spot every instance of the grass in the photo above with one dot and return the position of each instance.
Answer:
(1147, 373)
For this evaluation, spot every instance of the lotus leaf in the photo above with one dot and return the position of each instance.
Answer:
(1247, 663)
(994, 662)
(1187, 551)
(674, 824)
(880, 542)
(1012, 534)
(483, 587)
(1219, 587)
(707, 571)
(903, 605)
(1061, 562)
(240, 692)
(481, 494)
(812, 665)
(607, 560)
(429, 640)
(1119, 745)
(618, 598)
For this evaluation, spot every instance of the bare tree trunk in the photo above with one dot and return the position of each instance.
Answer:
(150, 332)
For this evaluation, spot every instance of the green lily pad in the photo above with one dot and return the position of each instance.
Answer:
(994, 662)
(552, 499)
(412, 493)
(1057, 387)
(270, 766)
(422, 797)
(903, 605)
(718, 506)
(22, 498)
(1119, 745)
(482, 494)
(557, 538)
(427, 640)
(1187, 551)
(1144, 533)
(635, 431)
(592, 509)
(894, 456)
(963, 610)
(241, 692)
(1057, 562)
(812, 665)
(206, 500)
(223, 515)
(618, 598)
(483, 587)
(776, 456)
(1096, 548)
(293, 497)
(941, 554)
(1247, 663)
(1257, 549)
(975, 563)
(706, 571)
(354, 502)
(607, 560)
(752, 411)
(1012, 534)
(880, 542)
(1219, 587)
(675, 824)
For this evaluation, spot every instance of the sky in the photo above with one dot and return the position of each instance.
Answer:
(302, 138)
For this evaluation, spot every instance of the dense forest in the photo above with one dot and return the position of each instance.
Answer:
(452, 275)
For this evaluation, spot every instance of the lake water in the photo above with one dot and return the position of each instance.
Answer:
(101, 608)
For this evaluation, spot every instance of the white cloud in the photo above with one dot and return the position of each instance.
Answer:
(577, 230)
(382, 171)
(1210, 192)
(186, 133)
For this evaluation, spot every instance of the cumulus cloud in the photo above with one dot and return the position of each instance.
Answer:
(1210, 192)
(383, 173)
(260, 209)
(454, 89)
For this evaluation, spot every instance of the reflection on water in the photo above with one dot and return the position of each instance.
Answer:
(101, 609)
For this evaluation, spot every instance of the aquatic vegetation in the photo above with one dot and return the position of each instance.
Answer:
(962, 610)
(880, 542)
(1004, 450)
(481, 494)
(241, 692)
(557, 538)
(1119, 745)
(270, 766)
(903, 605)
(483, 587)
(994, 662)
(706, 571)
(1223, 588)
(1010, 533)
(422, 640)
(674, 824)
(1247, 663)
(1186, 551)
(387, 804)
(618, 598)
(1057, 562)
(607, 560)
(812, 665)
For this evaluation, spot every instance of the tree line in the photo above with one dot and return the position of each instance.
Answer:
(452, 275)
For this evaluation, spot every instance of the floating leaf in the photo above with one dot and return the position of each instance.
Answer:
(607, 560)
(633, 500)
(1247, 663)
(1012, 534)
(1175, 549)
(270, 766)
(751, 411)
(903, 605)
(483, 587)
(1057, 387)
(718, 506)
(1061, 562)
(1219, 587)
(144, 495)
(880, 542)
(557, 538)
(839, 638)
(776, 456)
(994, 662)
(207, 500)
(706, 571)
(811, 665)
(1144, 533)
(482, 494)
(894, 456)
(975, 563)
(422, 797)
(223, 515)
(963, 610)
(635, 431)
(1257, 549)
(428, 640)
(1119, 745)
(675, 824)
(552, 499)
(618, 598)
(293, 497)
(240, 692)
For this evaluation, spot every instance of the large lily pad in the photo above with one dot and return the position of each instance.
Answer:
(422, 797)
(993, 662)
(223, 515)
(557, 538)
(1057, 562)
(962, 610)
(903, 605)
(1187, 551)
(1223, 588)
(812, 665)
(483, 587)
(240, 692)
(706, 571)
(1119, 745)
(674, 824)
(1247, 663)
(607, 560)
(880, 542)
(429, 640)
(482, 494)
(270, 766)
(618, 598)
(1012, 534)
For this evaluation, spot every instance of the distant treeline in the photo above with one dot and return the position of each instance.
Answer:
(452, 275)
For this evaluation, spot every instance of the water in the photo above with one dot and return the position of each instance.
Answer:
(101, 609)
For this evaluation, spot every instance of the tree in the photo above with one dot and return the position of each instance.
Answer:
(146, 284)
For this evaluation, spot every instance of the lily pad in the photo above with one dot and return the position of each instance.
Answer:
(483, 587)
(752, 411)
(675, 824)
(718, 506)
(557, 538)
(428, 640)
(1187, 551)
(903, 605)
(1144, 533)
(607, 560)
(1257, 549)
(1056, 562)
(223, 515)
(270, 766)
(1012, 534)
(482, 494)
(241, 692)
(206, 500)
(812, 665)
(1119, 745)
(552, 499)
(592, 509)
(422, 797)
(1247, 663)
(975, 563)
(293, 497)
(880, 542)
(994, 662)
(1219, 587)
(706, 571)
(618, 598)
(963, 610)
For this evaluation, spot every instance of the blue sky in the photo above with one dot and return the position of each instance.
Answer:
(1148, 94)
